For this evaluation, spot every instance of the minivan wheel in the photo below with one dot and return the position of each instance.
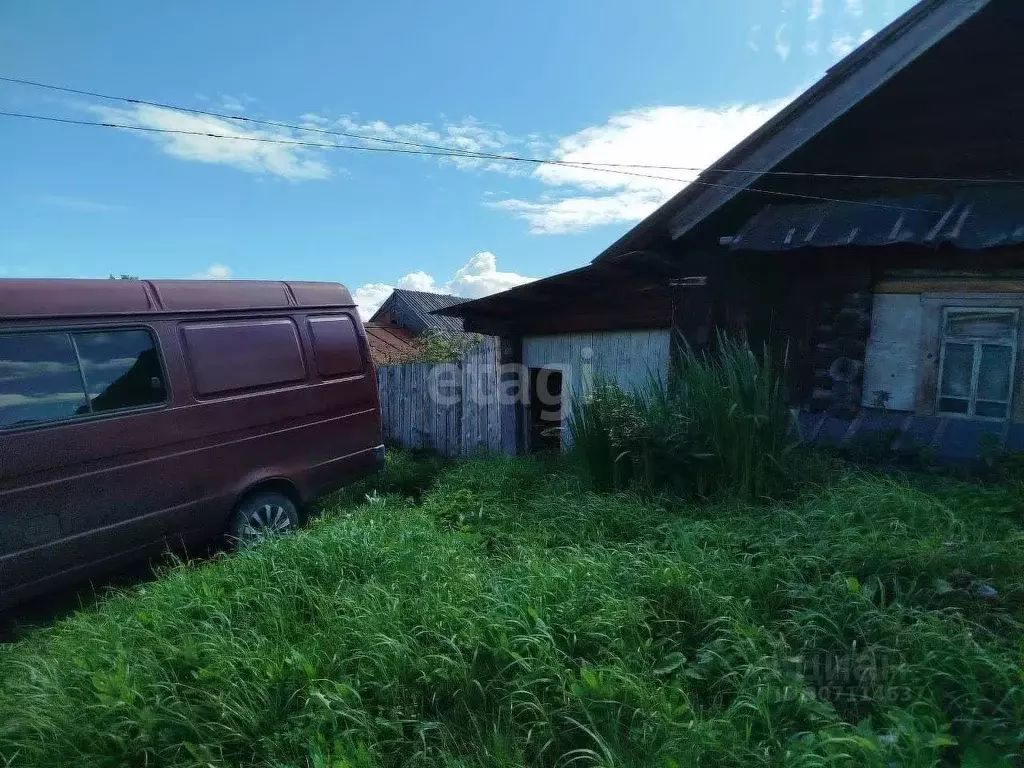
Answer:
(261, 516)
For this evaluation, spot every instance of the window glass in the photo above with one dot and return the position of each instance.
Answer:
(981, 325)
(978, 362)
(957, 367)
(39, 379)
(994, 374)
(953, 405)
(993, 410)
(121, 369)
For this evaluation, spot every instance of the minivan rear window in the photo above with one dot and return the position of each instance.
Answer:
(47, 377)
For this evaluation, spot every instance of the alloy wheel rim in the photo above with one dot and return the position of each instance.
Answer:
(265, 521)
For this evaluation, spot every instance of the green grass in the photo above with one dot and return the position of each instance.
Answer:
(407, 475)
(719, 426)
(512, 618)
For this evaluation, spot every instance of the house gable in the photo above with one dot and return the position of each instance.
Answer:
(415, 312)
(845, 86)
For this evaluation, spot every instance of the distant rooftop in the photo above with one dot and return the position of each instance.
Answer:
(391, 344)
(413, 310)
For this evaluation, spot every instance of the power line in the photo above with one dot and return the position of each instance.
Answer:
(452, 154)
(210, 135)
(499, 156)
(247, 119)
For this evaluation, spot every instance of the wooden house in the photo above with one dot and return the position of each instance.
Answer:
(875, 226)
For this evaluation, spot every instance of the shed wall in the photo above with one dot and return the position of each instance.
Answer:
(627, 358)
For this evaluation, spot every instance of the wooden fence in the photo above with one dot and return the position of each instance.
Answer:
(453, 408)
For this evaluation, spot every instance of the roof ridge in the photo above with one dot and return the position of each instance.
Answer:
(430, 293)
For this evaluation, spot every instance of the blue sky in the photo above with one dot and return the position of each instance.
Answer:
(671, 82)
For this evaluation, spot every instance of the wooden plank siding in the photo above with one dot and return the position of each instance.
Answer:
(627, 358)
(482, 416)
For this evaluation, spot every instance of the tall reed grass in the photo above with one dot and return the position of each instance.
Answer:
(718, 424)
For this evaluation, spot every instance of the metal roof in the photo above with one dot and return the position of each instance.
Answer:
(720, 194)
(860, 73)
(523, 297)
(594, 297)
(390, 344)
(69, 298)
(971, 219)
(414, 310)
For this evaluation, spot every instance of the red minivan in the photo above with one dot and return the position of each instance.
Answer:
(141, 414)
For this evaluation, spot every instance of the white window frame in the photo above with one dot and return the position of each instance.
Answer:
(978, 344)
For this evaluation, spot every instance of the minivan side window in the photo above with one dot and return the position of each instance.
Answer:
(39, 379)
(47, 377)
(121, 369)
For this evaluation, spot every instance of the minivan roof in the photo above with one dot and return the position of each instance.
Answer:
(22, 298)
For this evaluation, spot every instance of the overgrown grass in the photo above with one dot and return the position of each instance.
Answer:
(718, 425)
(516, 618)
(407, 474)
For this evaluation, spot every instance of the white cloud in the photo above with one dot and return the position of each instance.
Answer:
(466, 135)
(231, 104)
(479, 277)
(370, 296)
(11, 401)
(782, 45)
(579, 213)
(288, 161)
(576, 198)
(419, 281)
(681, 136)
(812, 47)
(855, 8)
(842, 45)
(78, 204)
(752, 43)
(817, 10)
(214, 272)
(584, 198)
(313, 119)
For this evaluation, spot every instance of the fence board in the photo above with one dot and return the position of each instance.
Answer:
(414, 415)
